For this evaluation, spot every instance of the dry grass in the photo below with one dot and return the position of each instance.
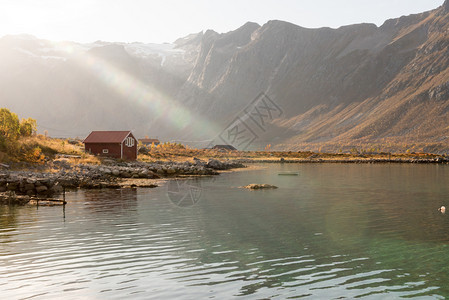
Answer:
(385, 145)
(51, 147)
(38, 149)
(176, 152)
(189, 154)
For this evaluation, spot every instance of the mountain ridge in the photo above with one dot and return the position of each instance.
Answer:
(359, 85)
(370, 58)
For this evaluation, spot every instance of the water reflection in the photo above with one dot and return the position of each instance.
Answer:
(111, 201)
(184, 192)
(334, 231)
(8, 222)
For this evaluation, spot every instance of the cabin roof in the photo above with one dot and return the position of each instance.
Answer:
(106, 136)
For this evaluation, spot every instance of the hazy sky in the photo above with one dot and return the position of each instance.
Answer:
(166, 20)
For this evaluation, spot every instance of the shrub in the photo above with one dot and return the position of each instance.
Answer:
(9, 125)
(34, 155)
(11, 129)
(27, 127)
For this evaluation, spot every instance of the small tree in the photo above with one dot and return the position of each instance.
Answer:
(27, 127)
(9, 124)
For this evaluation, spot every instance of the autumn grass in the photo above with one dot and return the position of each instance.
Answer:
(39, 148)
(187, 154)
(179, 153)
(53, 146)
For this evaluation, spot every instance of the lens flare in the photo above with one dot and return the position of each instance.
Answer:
(160, 106)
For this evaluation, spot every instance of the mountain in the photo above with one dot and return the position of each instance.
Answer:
(380, 87)
(73, 88)
(295, 88)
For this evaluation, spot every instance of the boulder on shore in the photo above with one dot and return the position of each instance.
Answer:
(11, 198)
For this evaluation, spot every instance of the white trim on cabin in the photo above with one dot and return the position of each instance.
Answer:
(126, 136)
(135, 140)
(130, 141)
(121, 144)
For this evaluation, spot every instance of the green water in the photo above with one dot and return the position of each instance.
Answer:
(335, 231)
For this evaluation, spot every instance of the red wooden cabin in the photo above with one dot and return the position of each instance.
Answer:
(117, 144)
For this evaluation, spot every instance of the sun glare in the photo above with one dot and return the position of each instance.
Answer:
(158, 104)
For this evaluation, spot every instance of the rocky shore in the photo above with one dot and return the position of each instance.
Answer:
(35, 185)
(19, 187)
(355, 160)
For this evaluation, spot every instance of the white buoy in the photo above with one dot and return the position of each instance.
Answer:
(442, 209)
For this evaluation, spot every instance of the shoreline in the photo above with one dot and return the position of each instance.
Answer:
(25, 186)
(439, 160)
(21, 187)
(349, 160)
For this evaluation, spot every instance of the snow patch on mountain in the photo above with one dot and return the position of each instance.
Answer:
(146, 50)
(29, 53)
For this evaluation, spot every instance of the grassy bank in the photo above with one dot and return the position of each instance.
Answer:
(168, 153)
(39, 150)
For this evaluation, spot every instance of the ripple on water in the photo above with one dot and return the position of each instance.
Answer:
(321, 235)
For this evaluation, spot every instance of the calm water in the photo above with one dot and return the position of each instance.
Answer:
(333, 232)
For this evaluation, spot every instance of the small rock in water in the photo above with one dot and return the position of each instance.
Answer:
(255, 186)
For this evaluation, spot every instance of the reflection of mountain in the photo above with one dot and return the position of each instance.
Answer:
(9, 215)
(110, 202)
(356, 84)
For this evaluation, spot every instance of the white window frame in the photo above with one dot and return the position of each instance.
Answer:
(129, 142)
(105, 151)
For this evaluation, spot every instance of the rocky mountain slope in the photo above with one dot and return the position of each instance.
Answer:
(364, 86)
(380, 87)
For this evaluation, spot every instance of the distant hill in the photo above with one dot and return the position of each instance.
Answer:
(73, 88)
(364, 86)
